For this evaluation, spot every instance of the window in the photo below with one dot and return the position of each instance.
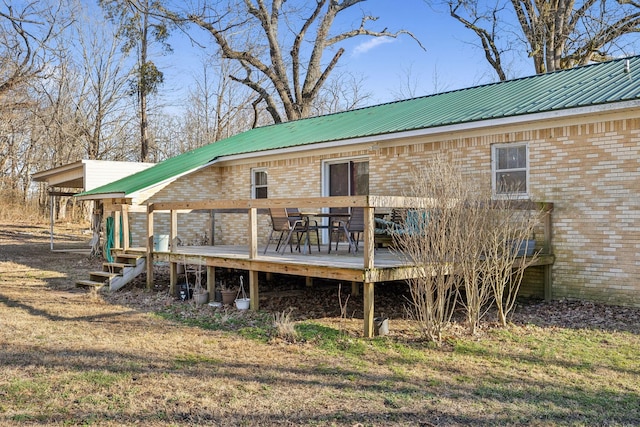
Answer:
(510, 169)
(348, 178)
(259, 183)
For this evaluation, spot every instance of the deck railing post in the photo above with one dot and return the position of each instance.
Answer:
(368, 287)
(116, 229)
(369, 249)
(253, 233)
(253, 254)
(125, 227)
(173, 230)
(150, 246)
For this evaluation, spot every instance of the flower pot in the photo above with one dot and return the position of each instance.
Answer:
(201, 297)
(228, 295)
(243, 303)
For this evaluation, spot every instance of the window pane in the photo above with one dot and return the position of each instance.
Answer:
(361, 179)
(260, 178)
(502, 158)
(516, 157)
(512, 157)
(511, 182)
(339, 179)
(261, 192)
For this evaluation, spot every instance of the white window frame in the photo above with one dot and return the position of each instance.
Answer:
(494, 171)
(254, 186)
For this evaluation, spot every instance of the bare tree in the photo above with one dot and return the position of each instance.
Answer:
(342, 92)
(28, 48)
(101, 107)
(141, 25)
(217, 107)
(259, 34)
(408, 84)
(26, 33)
(555, 34)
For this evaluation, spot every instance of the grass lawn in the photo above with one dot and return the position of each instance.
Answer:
(70, 357)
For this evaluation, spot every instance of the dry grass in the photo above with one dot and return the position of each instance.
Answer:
(70, 357)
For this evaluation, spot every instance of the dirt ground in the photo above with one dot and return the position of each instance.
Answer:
(74, 357)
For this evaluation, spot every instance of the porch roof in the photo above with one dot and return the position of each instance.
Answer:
(587, 86)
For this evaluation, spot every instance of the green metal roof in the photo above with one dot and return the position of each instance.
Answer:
(589, 85)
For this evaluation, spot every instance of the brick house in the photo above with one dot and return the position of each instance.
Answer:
(570, 137)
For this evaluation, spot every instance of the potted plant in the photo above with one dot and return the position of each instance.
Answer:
(228, 293)
(200, 294)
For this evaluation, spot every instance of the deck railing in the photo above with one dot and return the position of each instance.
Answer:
(371, 204)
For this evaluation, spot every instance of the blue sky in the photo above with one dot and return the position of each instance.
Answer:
(449, 62)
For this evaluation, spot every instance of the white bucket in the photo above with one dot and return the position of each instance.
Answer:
(243, 303)
(161, 243)
(380, 326)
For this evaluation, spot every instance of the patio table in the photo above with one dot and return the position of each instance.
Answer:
(332, 216)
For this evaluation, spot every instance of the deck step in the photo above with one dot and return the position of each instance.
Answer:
(105, 274)
(89, 284)
(116, 264)
(131, 259)
(116, 274)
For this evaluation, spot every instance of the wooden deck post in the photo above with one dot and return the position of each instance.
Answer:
(211, 282)
(253, 254)
(253, 233)
(125, 227)
(173, 230)
(368, 308)
(547, 249)
(173, 267)
(548, 282)
(355, 288)
(173, 278)
(253, 290)
(116, 229)
(150, 246)
(368, 287)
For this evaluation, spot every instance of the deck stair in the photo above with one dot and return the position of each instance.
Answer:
(116, 274)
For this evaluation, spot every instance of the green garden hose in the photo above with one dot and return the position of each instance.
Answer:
(108, 240)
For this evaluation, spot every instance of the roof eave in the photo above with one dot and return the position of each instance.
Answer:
(102, 196)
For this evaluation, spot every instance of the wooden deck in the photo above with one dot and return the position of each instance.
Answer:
(388, 266)
(369, 266)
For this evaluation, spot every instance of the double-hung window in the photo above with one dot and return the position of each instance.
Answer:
(259, 183)
(510, 169)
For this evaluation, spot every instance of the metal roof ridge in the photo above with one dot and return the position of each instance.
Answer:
(465, 89)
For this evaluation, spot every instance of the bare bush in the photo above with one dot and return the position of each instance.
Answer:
(15, 209)
(430, 240)
(504, 266)
(285, 327)
(465, 243)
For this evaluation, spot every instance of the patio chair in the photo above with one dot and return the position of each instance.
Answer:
(302, 226)
(352, 229)
(280, 223)
(290, 225)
